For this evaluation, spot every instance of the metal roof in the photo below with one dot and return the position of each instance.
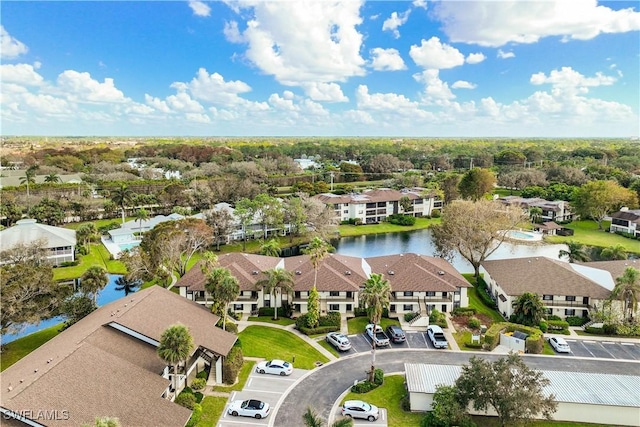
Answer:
(568, 387)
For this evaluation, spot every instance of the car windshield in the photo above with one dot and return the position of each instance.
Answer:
(286, 364)
(366, 406)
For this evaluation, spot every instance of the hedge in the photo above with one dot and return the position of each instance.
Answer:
(481, 287)
(329, 323)
(558, 325)
(408, 317)
(576, 320)
(400, 219)
(232, 364)
(319, 330)
(533, 344)
(464, 311)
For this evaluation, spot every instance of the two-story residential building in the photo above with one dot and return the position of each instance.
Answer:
(60, 243)
(563, 290)
(373, 206)
(556, 211)
(626, 221)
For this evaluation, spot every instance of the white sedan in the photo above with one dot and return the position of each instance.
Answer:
(249, 408)
(275, 367)
(559, 345)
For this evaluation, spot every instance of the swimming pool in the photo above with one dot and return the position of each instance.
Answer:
(521, 235)
(129, 245)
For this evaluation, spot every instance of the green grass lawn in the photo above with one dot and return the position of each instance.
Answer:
(388, 396)
(245, 371)
(212, 408)
(272, 343)
(16, 350)
(357, 324)
(97, 256)
(587, 233)
(476, 302)
(331, 349)
(385, 227)
(99, 222)
(284, 321)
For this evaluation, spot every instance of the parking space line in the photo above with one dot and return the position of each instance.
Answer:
(608, 342)
(250, 421)
(249, 382)
(589, 342)
(233, 395)
(586, 348)
(261, 391)
(627, 343)
(424, 338)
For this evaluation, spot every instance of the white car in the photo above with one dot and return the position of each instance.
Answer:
(360, 409)
(339, 341)
(559, 345)
(249, 408)
(275, 367)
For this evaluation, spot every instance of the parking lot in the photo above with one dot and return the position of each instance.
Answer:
(603, 349)
(380, 422)
(362, 343)
(264, 387)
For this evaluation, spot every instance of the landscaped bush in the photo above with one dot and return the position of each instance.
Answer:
(319, 330)
(553, 317)
(609, 329)
(203, 374)
(188, 400)
(435, 213)
(405, 403)
(595, 331)
(378, 377)
(483, 293)
(363, 387)
(232, 327)
(438, 318)
(470, 344)
(464, 311)
(234, 315)
(408, 317)
(195, 415)
(576, 320)
(267, 311)
(360, 312)
(198, 384)
(232, 363)
(400, 219)
(326, 324)
(558, 325)
(473, 323)
(331, 319)
(544, 326)
(628, 329)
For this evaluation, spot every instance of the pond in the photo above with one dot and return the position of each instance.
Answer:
(421, 242)
(107, 295)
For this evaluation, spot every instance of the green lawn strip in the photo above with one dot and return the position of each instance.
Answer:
(388, 396)
(587, 233)
(284, 321)
(476, 302)
(329, 347)
(16, 350)
(272, 343)
(212, 409)
(547, 349)
(357, 324)
(98, 256)
(385, 227)
(245, 371)
(463, 337)
(99, 222)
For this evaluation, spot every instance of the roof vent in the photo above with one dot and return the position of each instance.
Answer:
(440, 273)
(298, 272)
(401, 254)
(348, 273)
(391, 272)
(255, 272)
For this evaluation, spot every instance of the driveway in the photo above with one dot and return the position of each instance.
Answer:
(602, 349)
(361, 343)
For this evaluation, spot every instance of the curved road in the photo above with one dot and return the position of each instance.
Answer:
(323, 386)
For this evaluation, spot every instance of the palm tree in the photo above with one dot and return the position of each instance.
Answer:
(317, 250)
(29, 178)
(535, 213)
(176, 344)
(93, 281)
(122, 196)
(141, 215)
(87, 233)
(575, 252)
(312, 419)
(627, 290)
(528, 309)
(223, 288)
(277, 279)
(52, 178)
(270, 248)
(376, 296)
(126, 284)
(617, 252)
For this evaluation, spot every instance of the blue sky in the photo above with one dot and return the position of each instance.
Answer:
(550, 68)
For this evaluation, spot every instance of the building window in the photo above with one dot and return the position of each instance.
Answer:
(346, 211)
(345, 204)
(407, 293)
(407, 307)
(444, 295)
(349, 294)
(334, 293)
(431, 294)
(570, 312)
(570, 298)
(418, 201)
(237, 307)
(549, 311)
(444, 308)
(349, 307)
(267, 303)
(296, 294)
(547, 297)
(334, 307)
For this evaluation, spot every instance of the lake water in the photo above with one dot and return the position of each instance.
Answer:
(421, 242)
(107, 295)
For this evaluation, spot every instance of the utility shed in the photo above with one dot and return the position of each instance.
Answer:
(582, 397)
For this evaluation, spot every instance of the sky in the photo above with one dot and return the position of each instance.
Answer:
(502, 68)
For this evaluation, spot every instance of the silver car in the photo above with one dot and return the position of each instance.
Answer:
(339, 341)
(360, 409)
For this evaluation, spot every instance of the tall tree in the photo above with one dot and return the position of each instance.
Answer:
(313, 308)
(617, 252)
(76, 307)
(223, 288)
(222, 224)
(627, 290)
(277, 280)
(295, 215)
(535, 214)
(245, 212)
(49, 211)
(87, 233)
(28, 179)
(474, 229)
(528, 309)
(447, 410)
(597, 199)
(270, 248)
(317, 250)
(376, 296)
(476, 183)
(269, 212)
(122, 197)
(93, 281)
(176, 345)
(141, 215)
(508, 386)
(575, 252)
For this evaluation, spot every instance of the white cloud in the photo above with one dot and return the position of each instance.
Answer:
(213, 88)
(475, 58)
(386, 60)
(81, 87)
(23, 74)
(568, 79)
(157, 103)
(199, 8)
(462, 84)
(10, 47)
(419, 3)
(183, 103)
(395, 21)
(282, 102)
(305, 41)
(232, 33)
(383, 101)
(505, 55)
(197, 117)
(496, 23)
(329, 92)
(435, 90)
(433, 54)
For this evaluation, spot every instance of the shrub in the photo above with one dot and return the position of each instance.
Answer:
(198, 384)
(405, 403)
(628, 329)
(266, 311)
(378, 377)
(195, 416)
(609, 329)
(553, 317)
(286, 310)
(464, 311)
(234, 315)
(331, 319)
(232, 364)
(558, 325)
(438, 318)
(360, 312)
(188, 400)
(473, 344)
(232, 327)
(408, 317)
(435, 213)
(473, 323)
(595, 331)
(203, 374)
(363, 387)
(483, 293)
(400, 219)
(576, 320)
(319, 330)
(544, 327)
(533, 344)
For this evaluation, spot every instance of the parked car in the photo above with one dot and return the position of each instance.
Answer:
(396, 334)
(339, 341)
(559, 345)
(379, 337)
(360, 409)
(249, 408)
(436, 336)
(275, 367)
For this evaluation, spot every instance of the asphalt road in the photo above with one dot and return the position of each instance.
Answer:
(323, 386)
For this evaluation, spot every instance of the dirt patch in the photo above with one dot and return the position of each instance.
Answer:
(460, 322)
